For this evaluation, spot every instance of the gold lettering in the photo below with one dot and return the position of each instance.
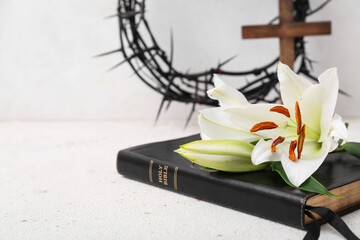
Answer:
(165, 175)
(160, 174)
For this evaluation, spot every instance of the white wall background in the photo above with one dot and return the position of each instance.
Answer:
(46, 69)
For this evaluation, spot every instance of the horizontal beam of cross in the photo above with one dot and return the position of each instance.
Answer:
(291, 29)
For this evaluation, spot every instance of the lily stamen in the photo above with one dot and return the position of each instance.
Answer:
(263, 126)
(292, 156)
(298, 117)
(301, 139)
(277, 141)
(281, 110)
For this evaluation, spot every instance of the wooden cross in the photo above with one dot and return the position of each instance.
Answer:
(286, 30)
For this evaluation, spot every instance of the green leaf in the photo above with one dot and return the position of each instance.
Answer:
(353, 148)
(310, 185)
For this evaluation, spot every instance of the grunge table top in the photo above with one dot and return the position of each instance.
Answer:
(58, 180)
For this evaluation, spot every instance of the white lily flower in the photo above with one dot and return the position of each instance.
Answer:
(302, 131)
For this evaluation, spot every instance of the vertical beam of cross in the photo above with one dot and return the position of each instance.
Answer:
(287, 47)
(287, 30)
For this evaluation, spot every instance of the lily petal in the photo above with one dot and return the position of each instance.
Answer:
(333, 144)
(262, 152)
(292, 86)
(310, 106)
(246, 117)
(318, 103)
(203, 136)
(330, 82)
(225, 94)
(214, 124)
(312, 157)
(338, 129)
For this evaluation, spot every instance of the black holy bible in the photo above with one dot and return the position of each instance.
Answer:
(261, 193)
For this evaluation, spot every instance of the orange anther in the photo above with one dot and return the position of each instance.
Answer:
(298, 117)
(301, 139)
(281, 109)
(277, 141)
(292, 156)
(263, 126)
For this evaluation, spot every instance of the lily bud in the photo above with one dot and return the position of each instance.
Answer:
(221, 154)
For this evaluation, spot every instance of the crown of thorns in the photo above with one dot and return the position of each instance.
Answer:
(155, 67)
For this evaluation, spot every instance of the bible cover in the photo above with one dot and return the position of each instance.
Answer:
(261, 193)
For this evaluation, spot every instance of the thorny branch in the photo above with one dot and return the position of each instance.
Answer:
(152, 65)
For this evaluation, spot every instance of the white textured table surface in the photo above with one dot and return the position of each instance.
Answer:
(58, 180)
